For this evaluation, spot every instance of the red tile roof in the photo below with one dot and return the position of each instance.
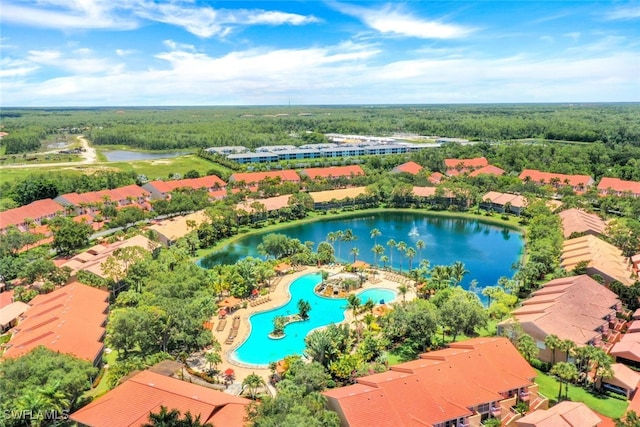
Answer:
(255, 177)
(619, 186)
(502, 199)
(333, 172)
(410, 167)
(424, 191)
(540, 177)
(578, 221)
(570, 307)
(435, 178)
(130, 404)
(270, 204)
(35, 211)
(477, 162)
(6, 298)
(440, 386)
(120, 194)
(69, 320)
(488, 170)
(564, 414)
(628, 347)
(209, 181)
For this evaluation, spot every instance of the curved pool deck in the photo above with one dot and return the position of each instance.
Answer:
(248, 350)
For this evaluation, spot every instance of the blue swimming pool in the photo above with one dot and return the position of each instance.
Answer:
(259, 349)
(377, 295)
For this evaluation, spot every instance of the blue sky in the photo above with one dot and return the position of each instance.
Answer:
(192, 52)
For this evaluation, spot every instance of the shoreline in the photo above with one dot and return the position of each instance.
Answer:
(202, 253)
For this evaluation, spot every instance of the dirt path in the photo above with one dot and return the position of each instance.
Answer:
(89, 157)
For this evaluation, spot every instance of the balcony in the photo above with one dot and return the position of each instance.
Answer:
(524, 396)
(496, 412)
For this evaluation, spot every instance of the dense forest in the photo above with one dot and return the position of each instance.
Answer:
(180, 128)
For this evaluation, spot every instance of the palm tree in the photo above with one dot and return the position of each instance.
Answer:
(253, 382)
(33, 401)
(601, 364)
(458, 271)
(527, 347)
(58, 399)
(440, 276)
(355, 252)
(402, 246)
(319, 347)
(303, 309)
(331, 238)
(582, 356)
(566, 372)
(403, 289)
(348, 236)
(339, 239)
(410, 254)
(213, 359)
(420, 244)
(369, 305)
(377, 251)
(374, 235)
(392, 244)
(353, 302)
(384, 260)
(164, 418)
(567, 347)
(552, 342)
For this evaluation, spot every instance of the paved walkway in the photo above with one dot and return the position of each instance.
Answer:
(278, 297)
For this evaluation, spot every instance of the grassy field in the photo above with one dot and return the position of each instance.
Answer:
(607, 406)
(158, 168)
(162, 168)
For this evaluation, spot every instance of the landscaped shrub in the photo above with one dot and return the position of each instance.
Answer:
(203, 376)
(98, 378)
(540, 365)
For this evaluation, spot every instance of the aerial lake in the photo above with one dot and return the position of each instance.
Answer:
(489, 251)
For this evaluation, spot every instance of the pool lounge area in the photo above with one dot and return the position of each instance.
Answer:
(258, 350)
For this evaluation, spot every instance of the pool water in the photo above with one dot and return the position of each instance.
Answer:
(377, 295)
(258, 349)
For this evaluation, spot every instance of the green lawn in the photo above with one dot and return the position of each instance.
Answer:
(161, 168)
(102, 387)
(158, 168)
(607, 406)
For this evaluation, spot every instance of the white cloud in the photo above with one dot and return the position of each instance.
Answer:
(44, 56)
(393, 20)
(277, 18)
(207, 22)
(547, 39)
(178, 46)
(83, 51)
(72, 15)
(623, 13)
(76, 63)
(342, 73)
(127, 15)
(125, 52)
(575, 36)
(11, 68)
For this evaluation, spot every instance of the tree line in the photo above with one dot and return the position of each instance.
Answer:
(180, 128)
